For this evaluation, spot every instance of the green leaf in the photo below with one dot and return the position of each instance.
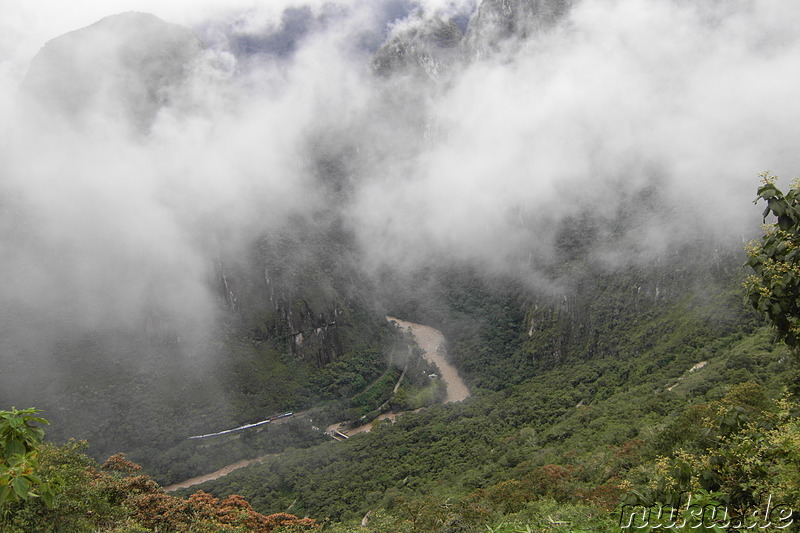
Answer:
(48, 496)
(13, 448)
(777, 205)
(21, 487)
(767, 192)
(33, 479)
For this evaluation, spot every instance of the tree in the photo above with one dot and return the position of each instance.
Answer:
(774, 289)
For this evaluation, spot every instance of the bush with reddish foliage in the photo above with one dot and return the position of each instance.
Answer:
(115, 495)
(236, 511)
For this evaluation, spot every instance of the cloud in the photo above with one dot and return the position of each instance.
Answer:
(111, 223)
(640, 124)
(623, 99)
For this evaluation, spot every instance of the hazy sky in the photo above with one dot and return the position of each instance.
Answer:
(26, 26)
(674, 100)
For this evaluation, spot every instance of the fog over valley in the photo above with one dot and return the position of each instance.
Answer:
(195, 195)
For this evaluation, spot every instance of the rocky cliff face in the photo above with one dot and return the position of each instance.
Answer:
(123, 66)
(429, 48)
(300, 288)
(496, 23)
(426, 49)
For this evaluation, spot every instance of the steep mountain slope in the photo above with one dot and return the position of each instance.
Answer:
(124, 65)
(499, 23)
(136, 345)
(581, 384)
(428, 49)
(587, 283)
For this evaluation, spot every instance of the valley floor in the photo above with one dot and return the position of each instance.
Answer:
(432, 343)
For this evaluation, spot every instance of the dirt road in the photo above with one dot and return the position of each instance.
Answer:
(214, 475)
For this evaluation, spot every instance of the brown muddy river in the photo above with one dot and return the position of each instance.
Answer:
(430, 340)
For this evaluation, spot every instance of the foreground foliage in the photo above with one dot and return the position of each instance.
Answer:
(774, 289)
(20, 438)
(62, 490)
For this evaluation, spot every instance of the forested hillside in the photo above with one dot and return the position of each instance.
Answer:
(571, 418)
(209, 214)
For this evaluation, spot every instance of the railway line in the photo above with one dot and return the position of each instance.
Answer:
(246, 426)
(432, 343)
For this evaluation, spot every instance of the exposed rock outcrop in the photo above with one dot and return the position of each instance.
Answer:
(498, 23)
(426, 48)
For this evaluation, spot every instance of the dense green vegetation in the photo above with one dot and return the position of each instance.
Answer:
(582, 395)
(774, 288)
(631, 387)
(61, 490)
(604, 389)
(613, 373)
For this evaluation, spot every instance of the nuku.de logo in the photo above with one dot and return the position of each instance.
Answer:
(768, 515)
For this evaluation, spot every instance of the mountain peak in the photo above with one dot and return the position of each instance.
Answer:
(122, 65)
